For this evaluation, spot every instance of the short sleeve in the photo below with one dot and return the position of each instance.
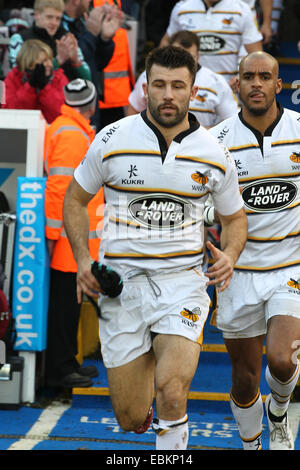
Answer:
(89, 173)
(174, 24)
(226, 195)
(137, 98)
(250, 30)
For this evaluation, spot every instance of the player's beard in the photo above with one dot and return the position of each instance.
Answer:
(164, 121)
(258, 111)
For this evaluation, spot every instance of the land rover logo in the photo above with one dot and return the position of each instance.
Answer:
(159, 211)
(210, 44)
(269, 195)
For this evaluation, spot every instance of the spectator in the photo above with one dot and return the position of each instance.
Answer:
(33, 84)
(67, 141)
(94, 31)
(47, 28)
(131, 8)
(118, 76)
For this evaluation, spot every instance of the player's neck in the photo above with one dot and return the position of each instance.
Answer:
(169, 133)
(263, 122)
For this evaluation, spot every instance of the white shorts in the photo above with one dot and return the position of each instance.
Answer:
(173, 304)
(245, 307)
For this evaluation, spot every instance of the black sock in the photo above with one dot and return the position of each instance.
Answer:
(276, 419)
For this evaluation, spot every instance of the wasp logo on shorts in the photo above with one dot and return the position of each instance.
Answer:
(294, 284)
(199, 178)
(192, 315)
(295, 157)
(269, 195)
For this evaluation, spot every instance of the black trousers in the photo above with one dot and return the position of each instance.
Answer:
(63, 320)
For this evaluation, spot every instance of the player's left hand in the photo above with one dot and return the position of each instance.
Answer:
(220, 273)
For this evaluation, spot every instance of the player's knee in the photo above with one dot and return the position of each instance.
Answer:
(281, 365)
(129, 422)
(245, 383)
(171, 392)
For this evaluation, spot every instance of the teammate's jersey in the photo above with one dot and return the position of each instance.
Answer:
(251, 5)
(222, 30)
(213, 103)
(269, 177)
(154, 195)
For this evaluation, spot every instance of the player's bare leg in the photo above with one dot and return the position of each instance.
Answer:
(282, 375)
(245, 398)
(132, 391)
(177, 360)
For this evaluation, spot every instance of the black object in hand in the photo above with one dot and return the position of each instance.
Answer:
(37, 77)
(108, 279)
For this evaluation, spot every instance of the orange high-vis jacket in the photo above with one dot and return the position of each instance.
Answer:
(118, 74)
(66, 143)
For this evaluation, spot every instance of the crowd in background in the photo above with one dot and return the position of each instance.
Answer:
(88, 39)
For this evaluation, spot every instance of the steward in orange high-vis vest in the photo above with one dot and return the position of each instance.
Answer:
(66, 143)
(118, 74)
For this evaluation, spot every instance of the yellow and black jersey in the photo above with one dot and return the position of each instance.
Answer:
(154, 194)
(269, 177)
(222, 30)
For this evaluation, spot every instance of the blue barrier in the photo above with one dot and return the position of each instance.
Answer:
(30, 293)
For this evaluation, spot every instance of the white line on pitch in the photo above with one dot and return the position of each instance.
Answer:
(42, 427)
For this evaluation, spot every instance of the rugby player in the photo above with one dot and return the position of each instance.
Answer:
(157, 169)
(263, 298)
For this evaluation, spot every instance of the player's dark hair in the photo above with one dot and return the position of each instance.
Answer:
(186, 39)
(172, 58)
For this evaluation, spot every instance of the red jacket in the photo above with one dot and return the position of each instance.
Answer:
(21, 95)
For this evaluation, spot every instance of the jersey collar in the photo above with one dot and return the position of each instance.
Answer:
(194, 125)
(269, 130)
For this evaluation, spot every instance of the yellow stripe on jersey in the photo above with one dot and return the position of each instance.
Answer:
(292, 206)
(221, 72)
(269, 268)
(187, 12)
(201, 160)
(226, 12)
(211, 111)
(262, 177)
(133, 189)
(207, 89)
(125, 222)
(274, 239)
(243, 147)
(232, 33)
(226, 52)
(154, 255)
(285, 142)
(131, 152)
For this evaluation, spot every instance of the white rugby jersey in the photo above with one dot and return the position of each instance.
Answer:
(154, 195)
(269, 177)
(222, 30)
(213, 103)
